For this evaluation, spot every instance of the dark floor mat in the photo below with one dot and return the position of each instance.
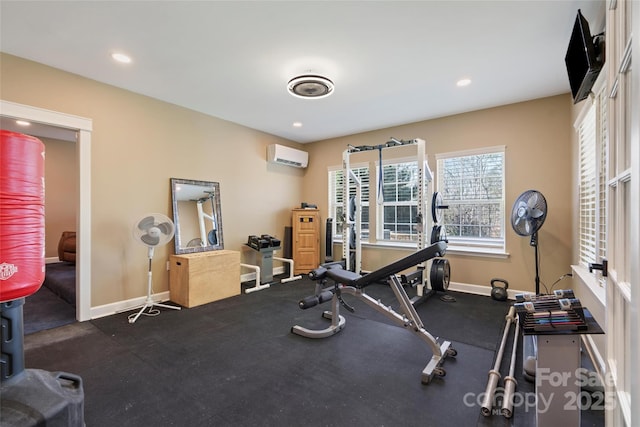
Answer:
(246, 374)
(454, 316)
(235, 362)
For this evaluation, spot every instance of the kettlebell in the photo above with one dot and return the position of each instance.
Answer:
(499, 293)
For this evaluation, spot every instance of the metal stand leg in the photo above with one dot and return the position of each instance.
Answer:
(258, 286)
(338, 322)
(291, 277)
(149, 303)
(264, 270)
(409, 319)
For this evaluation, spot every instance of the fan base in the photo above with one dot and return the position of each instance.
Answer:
(150, 305)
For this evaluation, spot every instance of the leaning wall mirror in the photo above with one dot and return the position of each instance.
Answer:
(197, 216)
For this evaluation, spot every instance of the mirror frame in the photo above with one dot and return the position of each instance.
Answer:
(217, 213)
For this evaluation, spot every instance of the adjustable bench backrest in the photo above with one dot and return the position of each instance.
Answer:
(349, 278)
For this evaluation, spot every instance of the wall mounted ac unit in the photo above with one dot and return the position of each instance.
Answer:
(284, 155)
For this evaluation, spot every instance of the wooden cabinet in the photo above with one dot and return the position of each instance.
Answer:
(203, 277)
(306, 240)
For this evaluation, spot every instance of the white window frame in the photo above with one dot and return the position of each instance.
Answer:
(334, 205)
(587, 186)
(380, 207)
(493, 246)
(591, 129)
(622, 323)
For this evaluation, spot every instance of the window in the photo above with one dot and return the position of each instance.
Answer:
(336, 199)
(593, 172)
(587, 188)
(603, 174)
(472, 185)
(400, 190)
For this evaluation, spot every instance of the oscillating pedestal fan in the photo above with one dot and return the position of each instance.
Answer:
(152, 230)
(528, 215)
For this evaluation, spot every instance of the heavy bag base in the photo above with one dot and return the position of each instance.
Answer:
(36, 398)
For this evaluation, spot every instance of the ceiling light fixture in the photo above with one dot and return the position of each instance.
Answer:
(463, 82)
(310, 86)
(121, 57)
(297, 124)
(23, 123)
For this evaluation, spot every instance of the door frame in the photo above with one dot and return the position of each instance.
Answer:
(83, 127)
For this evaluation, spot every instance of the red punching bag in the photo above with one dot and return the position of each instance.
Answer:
(21, 215)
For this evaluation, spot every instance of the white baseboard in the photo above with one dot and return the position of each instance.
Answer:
(468, 288)
(51, 260)
(126, 305)
(131, 304)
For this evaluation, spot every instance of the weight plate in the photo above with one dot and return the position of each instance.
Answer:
(439, 275)
(212, 237)
(436, 203)
(435, 232)
(438, 234)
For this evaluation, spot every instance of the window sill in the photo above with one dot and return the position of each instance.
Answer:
(390, 245)
(591, 283)
(452, 250)
(478, 252)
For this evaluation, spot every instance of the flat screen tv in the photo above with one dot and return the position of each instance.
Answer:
(584, 59)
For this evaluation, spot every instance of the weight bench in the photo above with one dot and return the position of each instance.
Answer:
(350, 283)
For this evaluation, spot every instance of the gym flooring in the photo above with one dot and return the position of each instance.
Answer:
(235, 362)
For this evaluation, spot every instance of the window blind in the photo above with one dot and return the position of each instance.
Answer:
(588, 188)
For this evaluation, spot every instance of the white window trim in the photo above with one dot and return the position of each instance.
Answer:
(593, 283)
(471, 152)
(494, 251)
(337, 237)
(499, 251)
(380, 211)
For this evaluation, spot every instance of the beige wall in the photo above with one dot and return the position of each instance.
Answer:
(538, 156)
(138, 144)
(61, 192)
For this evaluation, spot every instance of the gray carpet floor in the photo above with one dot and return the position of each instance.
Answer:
(45, 310)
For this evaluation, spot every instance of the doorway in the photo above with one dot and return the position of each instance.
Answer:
(80, 128)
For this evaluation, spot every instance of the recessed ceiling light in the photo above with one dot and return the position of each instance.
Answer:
(22, 123)
(310, 86)
(297, 124)
(463, 82)
(121, 57)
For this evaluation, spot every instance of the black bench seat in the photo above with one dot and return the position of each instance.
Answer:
(350, 278)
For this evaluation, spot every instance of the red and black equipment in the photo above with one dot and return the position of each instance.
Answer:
(27, 396)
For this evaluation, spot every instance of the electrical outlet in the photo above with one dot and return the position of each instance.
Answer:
(168, 266)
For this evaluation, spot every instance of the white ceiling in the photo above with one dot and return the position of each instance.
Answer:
(392, 62)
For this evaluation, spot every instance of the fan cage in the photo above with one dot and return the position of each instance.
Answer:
(531, 202)
(153, 229)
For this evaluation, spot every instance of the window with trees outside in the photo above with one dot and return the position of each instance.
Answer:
(400, 191)
(472, 186)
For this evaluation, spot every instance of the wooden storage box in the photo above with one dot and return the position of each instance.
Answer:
(204, 277)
